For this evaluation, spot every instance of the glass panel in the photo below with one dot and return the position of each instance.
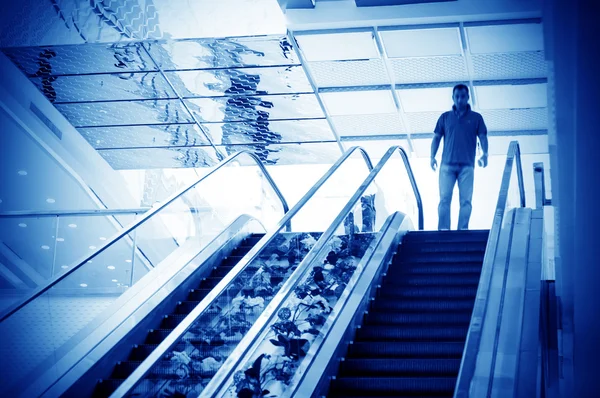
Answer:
(248, 81)
(125, 113)
(256, 108)
(160, 158)
(158, 135)
(223, 53)
(191, 363)
(272, 131)
(62, 316)
(105, 87)
(300, 324)
(288, 154)
(89, 58)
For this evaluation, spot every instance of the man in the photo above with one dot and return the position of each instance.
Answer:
(460, 128)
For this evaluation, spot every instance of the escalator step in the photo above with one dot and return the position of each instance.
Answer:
(104, 388)
(156, 336)
(443, 257)
(411, 318)
(171, 321)
(241, 250)
(431, 292)
(439, 279)
(197, 294)
(393, 386)
(252, 239)
(446, 236)
(382, 367)
(412, 333)
(402, 268)
(210, 282)
(223, 270)
(185, 307)
(444, 247)
(230, 261)
(420, 304)
(141, 351)
(373, 349)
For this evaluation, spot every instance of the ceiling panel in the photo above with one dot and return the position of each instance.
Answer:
(344, 46)
(162, 135)
(421, 42)
(505, 38)
(525, 65)
(368, 124)
(516, 119)
(247, 81)
(262, 108)
(223, 53)
(422, 122)
(528, 144)
(422, 147)
(429, 69)
(125, 113)
(270, 131)
(349, 73)
(512, 96)
(287, 154)
(160, 158)
(358, 102)
(426, 99)
(104, 87)
(80, 59)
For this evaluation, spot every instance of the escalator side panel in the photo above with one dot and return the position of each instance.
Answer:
(112, 342)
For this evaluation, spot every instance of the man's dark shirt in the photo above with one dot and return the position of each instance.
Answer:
(460, 136)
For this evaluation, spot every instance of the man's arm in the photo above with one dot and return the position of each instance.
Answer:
(435, 144)
(483, 140)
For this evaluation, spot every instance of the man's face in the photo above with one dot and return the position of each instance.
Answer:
(460, 98)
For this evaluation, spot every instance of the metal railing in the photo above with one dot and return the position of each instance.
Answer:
(218, 384)
(539, 180)
(72, 213)
(222, 286)
(470, 352)
(149, 214)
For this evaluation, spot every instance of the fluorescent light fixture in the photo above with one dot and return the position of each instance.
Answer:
(512, 96)
(505, 38)
(359, 102)
(421, 42)
(426, 99)
(338, 46)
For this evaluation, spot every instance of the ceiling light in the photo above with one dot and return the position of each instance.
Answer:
(111, 267)
(0, 200)
(127, 261)
(89, 261)
(50, 200)
(64, 266)
(72, 225)
(22, 172)
(60, 239)
(102, 238)
(22, 225)
(45, 247)
(114, 280)
(83, 284)
(92, 247)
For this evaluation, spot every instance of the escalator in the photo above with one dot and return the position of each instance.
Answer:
(412, 338)
(163, 327)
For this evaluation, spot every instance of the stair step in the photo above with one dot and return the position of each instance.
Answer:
(450, 257)
(412, 318)
(197, 294)
(383, 367)
(413, 349)
(393, 386)
(432, 279)
(431, 292)
(420, 304)
(446, 236)
(411, 333)
(401, 268)
(444, 247)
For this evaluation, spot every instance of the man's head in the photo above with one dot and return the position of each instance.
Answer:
(460, 96)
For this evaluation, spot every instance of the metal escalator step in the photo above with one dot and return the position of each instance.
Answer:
(403, 268)
(444, 247)
(171, 321)
(446, 236)
(448, 257)
(230, 261)
(141, 351)
(413, 349)
(432, 292)
(104, 388)
(382, 367)
(439, 279)
(411, 333)
(393, 386)
(210, 282)
(411, 318)
(223, 270)
(156, 336)
(197, 294)
(420, 304)
(252, 239)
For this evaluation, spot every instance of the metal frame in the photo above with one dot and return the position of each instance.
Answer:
(474, 334)
(146, 217)
(221, 287)
(220, 382)
(72, 213)
(539, 180)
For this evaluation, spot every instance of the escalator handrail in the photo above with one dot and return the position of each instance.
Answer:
(470, 351)
(247, 345)
(141, 221)
(140, 372)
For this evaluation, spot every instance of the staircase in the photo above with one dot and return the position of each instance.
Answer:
(412, 337)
